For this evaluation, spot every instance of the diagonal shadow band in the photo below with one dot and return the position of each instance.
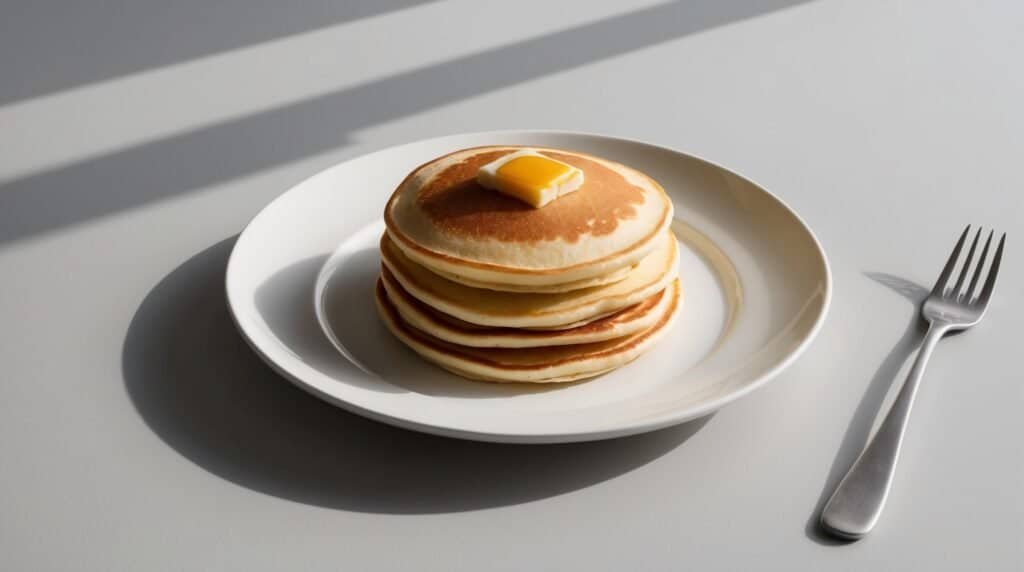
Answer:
(183, 163)
(88, 41)
(869, 408)
(200, 388)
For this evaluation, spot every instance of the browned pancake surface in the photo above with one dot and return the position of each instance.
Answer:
(460, 206)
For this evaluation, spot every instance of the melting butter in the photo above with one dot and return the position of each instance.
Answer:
(531, 177)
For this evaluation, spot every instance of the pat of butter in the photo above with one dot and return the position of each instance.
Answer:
(530, 177)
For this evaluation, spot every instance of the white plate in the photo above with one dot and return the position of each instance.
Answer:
(756, 283)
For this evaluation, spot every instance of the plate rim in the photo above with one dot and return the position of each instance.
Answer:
(667, 419)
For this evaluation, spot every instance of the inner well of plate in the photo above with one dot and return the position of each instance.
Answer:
(712, 301)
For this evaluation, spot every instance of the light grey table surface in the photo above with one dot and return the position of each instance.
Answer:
(138, 432)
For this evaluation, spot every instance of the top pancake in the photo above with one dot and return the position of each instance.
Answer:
(441, 218)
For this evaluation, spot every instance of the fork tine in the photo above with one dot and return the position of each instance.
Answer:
(966, 269)
(990, 282)
(940, 284)
(981, 266)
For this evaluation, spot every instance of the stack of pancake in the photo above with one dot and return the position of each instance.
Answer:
(491, 288)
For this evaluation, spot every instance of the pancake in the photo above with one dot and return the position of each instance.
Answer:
(418, 315)
(532, 365)
(442, 219)
(613, 276)
(562, 379)
(531, 310)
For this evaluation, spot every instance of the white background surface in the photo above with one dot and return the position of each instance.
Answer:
(138, 432)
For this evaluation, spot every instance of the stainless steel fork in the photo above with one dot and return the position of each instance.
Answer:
(857, 502)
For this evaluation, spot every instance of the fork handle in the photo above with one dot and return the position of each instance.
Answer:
(857, 502)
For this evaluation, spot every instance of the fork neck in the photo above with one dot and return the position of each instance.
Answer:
(939, 327)
(936, 330)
